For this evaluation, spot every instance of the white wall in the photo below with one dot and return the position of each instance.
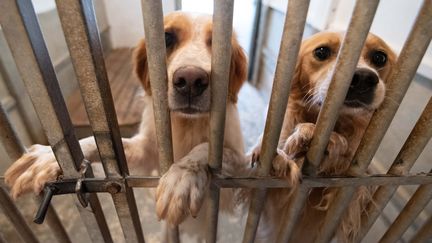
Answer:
(244, 11)
(392, 22)
(125, 21)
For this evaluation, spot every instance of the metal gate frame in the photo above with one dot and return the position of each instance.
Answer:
(25, 40)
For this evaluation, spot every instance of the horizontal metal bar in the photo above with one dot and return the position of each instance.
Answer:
(25, 40)
(410, 151)
(409, 213)
(118, 185)
(291, 39)
(79, 25)
(14, 148)
(425, 232)
(220, 78)
(397, 84)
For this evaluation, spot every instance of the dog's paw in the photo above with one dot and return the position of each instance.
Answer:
(298, 142)
(181, 191)
(254, 157)
(283, 166)
(32, 171)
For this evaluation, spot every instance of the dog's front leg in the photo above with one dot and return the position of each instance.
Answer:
(182, 188)
(39, 165)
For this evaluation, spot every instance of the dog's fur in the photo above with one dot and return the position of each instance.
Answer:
(309, 87)
(182, 189)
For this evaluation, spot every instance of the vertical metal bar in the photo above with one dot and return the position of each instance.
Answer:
(156, 57)
(346, 63)
(25, 40)
(291, 39)
(82, 36)
(14, 148)
(409, 213)
(292, 214)
(221, 59)
(256, 49)
(15, 217)
(424, 234)
(410, 151)
(347, 59)
(2, 239)
(397, 84)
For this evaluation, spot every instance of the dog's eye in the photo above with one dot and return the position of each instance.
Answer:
(322, 53)
(378, 58)
(170, 39)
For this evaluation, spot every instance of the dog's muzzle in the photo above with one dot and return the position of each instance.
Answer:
(362, 89)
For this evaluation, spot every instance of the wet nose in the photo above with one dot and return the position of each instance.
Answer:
(190, 81)
(363, 81)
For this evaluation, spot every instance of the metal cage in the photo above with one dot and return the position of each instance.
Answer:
(23, 34)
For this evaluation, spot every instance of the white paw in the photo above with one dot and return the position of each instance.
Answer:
(32, 171)
(283, 166)
(181, 190)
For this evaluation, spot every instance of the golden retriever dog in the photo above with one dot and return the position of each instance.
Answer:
(182, 189)
(310, 83)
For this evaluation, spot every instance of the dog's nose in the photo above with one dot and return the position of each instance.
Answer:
(363, 81)
(190, 81)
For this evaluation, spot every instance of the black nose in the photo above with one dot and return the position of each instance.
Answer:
(363, 81)
(190, 81)
(362, 88)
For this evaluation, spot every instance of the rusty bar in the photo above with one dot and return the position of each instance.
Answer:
(291, 39)
(82, 36)
(2, 239)
(346, 63)
(409, 213)
(25, 40)
(411, 150)
(14, 148)
(425, 232)
(397, 84)
(102, 184)
(15, 217)
(220, 66)
(156, 57)
(8, 137)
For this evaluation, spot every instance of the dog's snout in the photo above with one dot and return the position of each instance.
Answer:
(363, 81)
(362, 88)
(190, 81)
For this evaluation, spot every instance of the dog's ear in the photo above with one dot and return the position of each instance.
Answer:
(238, 70)
(141, 66)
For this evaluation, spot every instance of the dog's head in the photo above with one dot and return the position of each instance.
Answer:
(317, 59)
(188, 40)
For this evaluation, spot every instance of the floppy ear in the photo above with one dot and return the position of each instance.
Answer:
(141, 66)
(238, 70)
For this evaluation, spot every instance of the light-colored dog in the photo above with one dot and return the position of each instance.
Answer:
(310, 83)
(182, 189)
